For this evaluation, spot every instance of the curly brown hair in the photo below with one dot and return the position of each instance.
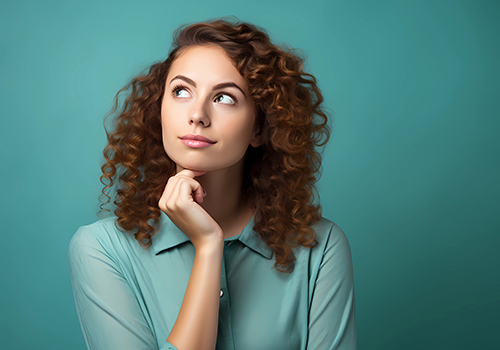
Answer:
(279, 175)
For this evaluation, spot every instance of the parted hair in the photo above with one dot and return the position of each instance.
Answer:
(279, 176)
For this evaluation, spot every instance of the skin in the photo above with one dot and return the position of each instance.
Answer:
(209, 208)
(213, 113)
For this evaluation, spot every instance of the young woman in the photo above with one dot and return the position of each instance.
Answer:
(215, 155)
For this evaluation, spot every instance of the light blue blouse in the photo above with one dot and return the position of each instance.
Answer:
(128, 297)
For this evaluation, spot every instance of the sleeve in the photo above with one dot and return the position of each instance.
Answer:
(332, 323)
(109, 313)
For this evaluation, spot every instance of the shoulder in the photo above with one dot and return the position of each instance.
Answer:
(328, 233)
(332, 242)
(101, 235)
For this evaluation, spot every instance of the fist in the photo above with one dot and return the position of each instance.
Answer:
(181, 201)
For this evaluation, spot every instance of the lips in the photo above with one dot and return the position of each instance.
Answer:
(197, 138)
(196, 141)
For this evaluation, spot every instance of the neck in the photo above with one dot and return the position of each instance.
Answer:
(224, 199)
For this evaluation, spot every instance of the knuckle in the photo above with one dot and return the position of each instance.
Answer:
(170, 205)
(185, 178)
(184, 182)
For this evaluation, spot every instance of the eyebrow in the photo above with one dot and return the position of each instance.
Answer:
(218, 86)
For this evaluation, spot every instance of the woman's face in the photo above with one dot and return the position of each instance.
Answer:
(207, 113)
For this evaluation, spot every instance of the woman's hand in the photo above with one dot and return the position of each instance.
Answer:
(180, 201)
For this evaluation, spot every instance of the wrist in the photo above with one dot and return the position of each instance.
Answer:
(210, 246)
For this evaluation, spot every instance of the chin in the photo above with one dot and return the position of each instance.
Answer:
(206, 163)
(194, 166)
(203, 167)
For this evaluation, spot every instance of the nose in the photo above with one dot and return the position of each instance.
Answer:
(199, 114)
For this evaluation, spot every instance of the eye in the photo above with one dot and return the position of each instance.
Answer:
(180, 91)
(225, 99)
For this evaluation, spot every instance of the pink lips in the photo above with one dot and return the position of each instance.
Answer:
(196, 141)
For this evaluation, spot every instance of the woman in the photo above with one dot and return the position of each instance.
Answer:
(214, 151)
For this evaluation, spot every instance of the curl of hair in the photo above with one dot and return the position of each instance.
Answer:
(280, 175)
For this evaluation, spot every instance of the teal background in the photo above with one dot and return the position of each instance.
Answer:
(411, 174)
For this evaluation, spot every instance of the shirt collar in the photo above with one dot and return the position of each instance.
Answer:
(169, 236)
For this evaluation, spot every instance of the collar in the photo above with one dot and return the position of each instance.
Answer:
(169, 236)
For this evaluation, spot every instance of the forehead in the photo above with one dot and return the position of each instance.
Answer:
(205, 65)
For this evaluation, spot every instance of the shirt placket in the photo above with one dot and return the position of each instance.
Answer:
(225, 340)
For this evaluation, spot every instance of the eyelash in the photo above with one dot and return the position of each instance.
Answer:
(182, 87)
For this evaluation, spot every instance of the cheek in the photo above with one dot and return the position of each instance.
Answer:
(237, 144)
(168, 121)
(239, 133)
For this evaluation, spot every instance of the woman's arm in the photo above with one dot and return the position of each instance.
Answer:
(332, 319)
(109, 312)
(196, 325)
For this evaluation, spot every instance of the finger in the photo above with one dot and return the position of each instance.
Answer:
(169, 188)
(188, 191)
(172, 181)
(199, 193)
(196, 190)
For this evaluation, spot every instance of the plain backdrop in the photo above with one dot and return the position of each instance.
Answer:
(411, 172)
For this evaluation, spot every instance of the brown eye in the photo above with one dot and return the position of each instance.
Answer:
(225, 99)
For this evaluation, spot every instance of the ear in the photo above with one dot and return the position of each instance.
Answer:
(257, 139)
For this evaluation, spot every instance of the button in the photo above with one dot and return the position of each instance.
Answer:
(221, 293)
